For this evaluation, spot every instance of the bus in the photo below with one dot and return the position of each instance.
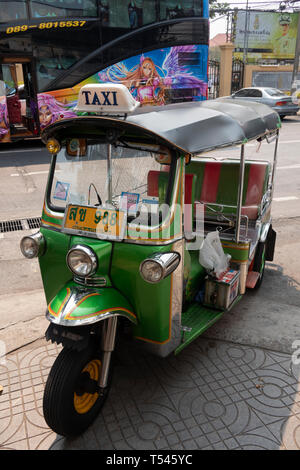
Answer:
(49, 49)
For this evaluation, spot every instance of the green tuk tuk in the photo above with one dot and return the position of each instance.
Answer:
(143, 232)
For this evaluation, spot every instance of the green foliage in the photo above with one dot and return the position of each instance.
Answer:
(217, 8)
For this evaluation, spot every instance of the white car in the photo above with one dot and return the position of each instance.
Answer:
(276, 99)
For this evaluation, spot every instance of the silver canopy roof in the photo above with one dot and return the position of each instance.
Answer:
(193, 127)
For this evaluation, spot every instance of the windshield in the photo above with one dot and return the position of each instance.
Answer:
(274, 92)
(108, 175)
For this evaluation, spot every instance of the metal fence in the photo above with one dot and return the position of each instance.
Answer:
(237, 76)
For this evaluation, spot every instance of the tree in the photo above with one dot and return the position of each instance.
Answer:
(217, 8)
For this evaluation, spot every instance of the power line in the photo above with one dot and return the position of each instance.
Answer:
(264, 3)
(256, 3)
(228, 10)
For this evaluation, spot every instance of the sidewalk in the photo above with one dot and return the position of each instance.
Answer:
(214, 395)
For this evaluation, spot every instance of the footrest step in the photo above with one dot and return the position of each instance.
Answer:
(195, 321)
(252, 279)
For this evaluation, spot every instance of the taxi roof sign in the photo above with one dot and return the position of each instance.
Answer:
(106, 98)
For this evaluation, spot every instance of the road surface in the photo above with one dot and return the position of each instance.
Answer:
(269, 318)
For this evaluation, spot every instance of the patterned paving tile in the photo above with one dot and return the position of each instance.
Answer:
(23, 376)
(214, 395)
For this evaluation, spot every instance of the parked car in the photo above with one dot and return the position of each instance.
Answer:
(273, 97)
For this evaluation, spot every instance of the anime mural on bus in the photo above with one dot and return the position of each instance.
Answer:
(4, 123)
(51, 110)
(152, 77)
(144, 81)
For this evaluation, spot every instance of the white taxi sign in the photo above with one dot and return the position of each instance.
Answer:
(106, 98)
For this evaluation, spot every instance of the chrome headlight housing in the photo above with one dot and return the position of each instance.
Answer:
(82, 261)
(158, 266)
(32, 245)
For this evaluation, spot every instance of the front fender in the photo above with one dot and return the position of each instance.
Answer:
(75, 305)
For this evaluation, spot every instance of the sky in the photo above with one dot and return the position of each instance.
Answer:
(219, 25)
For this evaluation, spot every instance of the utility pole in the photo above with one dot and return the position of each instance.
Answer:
(297, 55)
(246, 35)
(245, 42)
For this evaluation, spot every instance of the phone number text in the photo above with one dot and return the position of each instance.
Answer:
(46, 25)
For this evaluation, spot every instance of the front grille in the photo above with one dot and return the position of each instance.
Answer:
(96, 281)
(20, 224)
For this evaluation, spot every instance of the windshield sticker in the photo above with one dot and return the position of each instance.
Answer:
(61, 191)
(150, 200)
(129, 201)
(150, 204)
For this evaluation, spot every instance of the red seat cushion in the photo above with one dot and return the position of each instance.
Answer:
(14, 109)
(154, 185)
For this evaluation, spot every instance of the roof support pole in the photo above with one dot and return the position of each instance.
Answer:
(109, 173)
(240, 195)
(274, 162)
(295, 82)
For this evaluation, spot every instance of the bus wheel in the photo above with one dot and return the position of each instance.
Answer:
(259, 263)
(72, 398)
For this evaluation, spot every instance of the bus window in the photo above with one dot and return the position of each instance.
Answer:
(11, 11)
(8, 80)
(172, 9)
(67, 8)
(51, 62)
(132, 14)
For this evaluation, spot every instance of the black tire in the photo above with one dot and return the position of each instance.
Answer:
(66, 389)
(259, 263)
(282, 117)
(270, 244)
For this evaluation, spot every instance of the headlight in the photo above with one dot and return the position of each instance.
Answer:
(151, 271)
(32, 245)
(81, 260)
(158, 266)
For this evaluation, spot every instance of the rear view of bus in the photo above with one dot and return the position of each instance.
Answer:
(49, 49)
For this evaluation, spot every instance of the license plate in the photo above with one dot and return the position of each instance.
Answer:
(94, 221)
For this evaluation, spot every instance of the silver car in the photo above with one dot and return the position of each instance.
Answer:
(273, 97)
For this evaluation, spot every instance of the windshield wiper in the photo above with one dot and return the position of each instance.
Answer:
(98, 197)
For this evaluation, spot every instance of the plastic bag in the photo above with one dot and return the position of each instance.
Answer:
(212, 256)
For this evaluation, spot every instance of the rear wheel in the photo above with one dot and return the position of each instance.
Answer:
(72, 398)
(259, 263)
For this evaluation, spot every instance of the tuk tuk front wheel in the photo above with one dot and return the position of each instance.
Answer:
(72, 398)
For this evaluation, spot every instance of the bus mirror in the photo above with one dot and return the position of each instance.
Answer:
(76, 147)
